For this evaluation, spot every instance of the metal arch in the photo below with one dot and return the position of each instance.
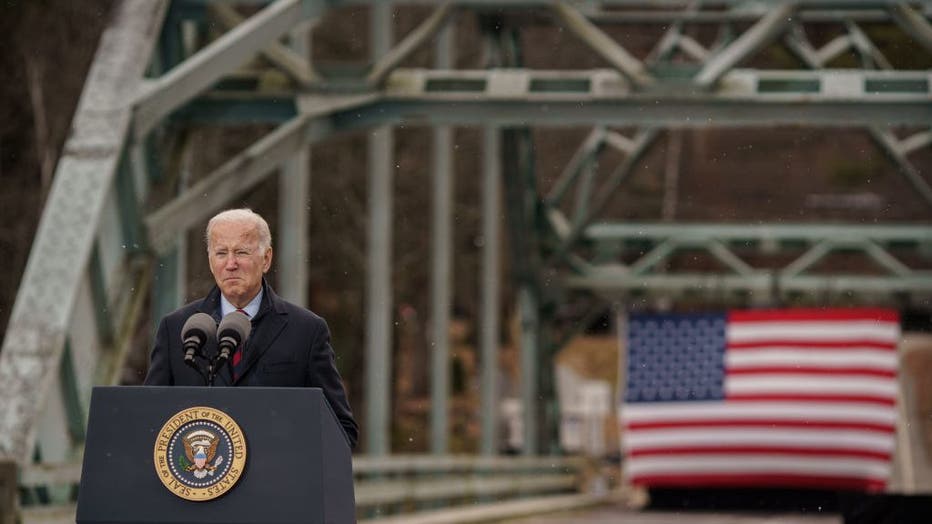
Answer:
(61, 251)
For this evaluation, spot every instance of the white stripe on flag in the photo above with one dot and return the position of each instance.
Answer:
(803, 411)
(834, 331)
(750, 464)
(782, 437)
(803, 384)
(851, 358)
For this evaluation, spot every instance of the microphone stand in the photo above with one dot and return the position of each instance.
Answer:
(213, 367)
(210, 373)
(208, 378)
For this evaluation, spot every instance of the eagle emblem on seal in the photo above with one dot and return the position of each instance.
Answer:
(200, 448)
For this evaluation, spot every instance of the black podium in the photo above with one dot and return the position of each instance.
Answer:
(295, 465)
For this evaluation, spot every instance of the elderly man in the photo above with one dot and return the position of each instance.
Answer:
(288, 345)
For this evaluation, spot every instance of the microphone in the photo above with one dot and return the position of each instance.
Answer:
(197, 329)
(233, 330)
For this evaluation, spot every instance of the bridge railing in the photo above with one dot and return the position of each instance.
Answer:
(465, 488)
(393, 488)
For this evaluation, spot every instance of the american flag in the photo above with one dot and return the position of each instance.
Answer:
(791, 398)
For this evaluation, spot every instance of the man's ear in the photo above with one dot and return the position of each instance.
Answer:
(268, 260)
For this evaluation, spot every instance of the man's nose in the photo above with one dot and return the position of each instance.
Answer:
(231, 263)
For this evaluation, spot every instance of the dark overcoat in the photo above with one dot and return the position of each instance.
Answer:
(288, 346)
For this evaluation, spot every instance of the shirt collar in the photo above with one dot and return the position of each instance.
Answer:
(252, 308)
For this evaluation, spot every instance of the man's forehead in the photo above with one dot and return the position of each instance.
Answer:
(234, 232)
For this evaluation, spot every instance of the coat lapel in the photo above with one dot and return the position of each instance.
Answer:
(268, 324)
(211, 304)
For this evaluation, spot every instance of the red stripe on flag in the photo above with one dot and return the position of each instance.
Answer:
(809, 370)
(760, 450)
(846, 345)
(810, 315)
(826, 397)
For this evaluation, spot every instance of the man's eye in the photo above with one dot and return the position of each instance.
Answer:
(242, 253)
(220, 254)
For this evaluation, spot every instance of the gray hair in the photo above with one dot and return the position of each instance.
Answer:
(242, 215)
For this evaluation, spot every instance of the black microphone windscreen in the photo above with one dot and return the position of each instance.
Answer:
(236, 325)
(200, 325)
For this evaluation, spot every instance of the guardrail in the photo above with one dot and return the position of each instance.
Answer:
(416, 489)
(438, 489)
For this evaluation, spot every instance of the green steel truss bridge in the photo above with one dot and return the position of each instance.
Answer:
(105, 245)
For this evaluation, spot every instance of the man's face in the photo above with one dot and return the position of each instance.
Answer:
(236, 260)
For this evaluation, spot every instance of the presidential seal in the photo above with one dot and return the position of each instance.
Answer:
(200, 453)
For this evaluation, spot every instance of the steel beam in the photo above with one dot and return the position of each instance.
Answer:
(654, 112)
(885, 259)
(521, 193)
(878, 243)
(913, 22)
(193, 76)
(581, 158)
(598, 97)
(613, 282)
(746, 13)
(657, 255)
(762, 33)
(35, 336)
(441, 265)
(441, 295)
(290, 61)
(740, 98)
(379, 333)
(914, 142)
(411, 43)
(606, 47)
(898, 233)
(642, 142)
(890, 145)
(582, 109)
(489, 324)
(294, 203)
(379, 271)
(529, 310)
(236, 176)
